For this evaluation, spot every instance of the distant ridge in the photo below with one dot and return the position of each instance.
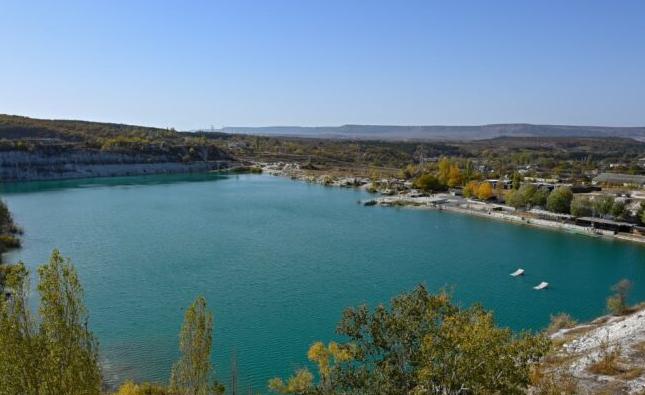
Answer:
(477, 132)
(13, 126)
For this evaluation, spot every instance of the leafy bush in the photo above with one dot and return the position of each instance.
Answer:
(130, 388)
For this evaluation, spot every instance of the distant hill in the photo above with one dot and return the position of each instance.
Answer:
(480, 132)
(17, 127)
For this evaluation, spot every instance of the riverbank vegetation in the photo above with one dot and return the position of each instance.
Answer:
(9, 239)
(9, 231)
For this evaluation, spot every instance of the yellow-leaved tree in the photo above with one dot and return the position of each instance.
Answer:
(484, 191)
(325, 357)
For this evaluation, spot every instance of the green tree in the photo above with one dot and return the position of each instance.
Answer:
(602, 205)
(515, 199)
(468, 351)
(71, 361)
(618, 209)
(540, 197)
(469, 171)
(517, 180)
(193, 372)
(429, 183)
(423, 344)
(559, 201)
(581, 206)
(527, 191)
(21, 349)
(59, 355)
(525, 196)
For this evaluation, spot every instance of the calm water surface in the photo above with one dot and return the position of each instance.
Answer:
(278, 261)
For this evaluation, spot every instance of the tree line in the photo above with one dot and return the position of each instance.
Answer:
(451, 173)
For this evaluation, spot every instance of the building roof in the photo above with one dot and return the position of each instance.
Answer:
(619, 178)
(605, 221)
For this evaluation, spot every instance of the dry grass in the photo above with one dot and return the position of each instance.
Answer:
(553, 377)
(554, 381)
(560, 321)
(631, 373)
(608, 363)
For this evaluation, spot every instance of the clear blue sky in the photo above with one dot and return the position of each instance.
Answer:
(191, 64)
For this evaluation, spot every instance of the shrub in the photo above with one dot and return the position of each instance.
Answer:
(130, 388)
(560, 321)
(607, 362)
(9, 241)
(470, 190)
(617, 303)
(554, 381)
(429, 183)
(602, 205)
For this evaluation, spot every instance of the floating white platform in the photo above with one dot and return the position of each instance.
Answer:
(518, 272)
(541, 285)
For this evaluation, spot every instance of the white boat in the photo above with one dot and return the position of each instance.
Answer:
(541, 285)
(518, 272)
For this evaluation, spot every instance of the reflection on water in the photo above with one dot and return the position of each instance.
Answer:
(156, 179)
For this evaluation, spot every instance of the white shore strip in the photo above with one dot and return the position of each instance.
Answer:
(293, 171)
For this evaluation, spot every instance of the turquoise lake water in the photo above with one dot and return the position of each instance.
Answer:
(278, 260)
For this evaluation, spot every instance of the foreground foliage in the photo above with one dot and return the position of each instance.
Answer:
(56, 353)
(421, 344)
(9, 232)
(192, 374)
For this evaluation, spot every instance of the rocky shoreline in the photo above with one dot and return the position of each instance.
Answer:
(616, 343)
(399, 193)
(38, 166)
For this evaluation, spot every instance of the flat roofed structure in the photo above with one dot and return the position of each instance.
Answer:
(619, 179)
(607, 224)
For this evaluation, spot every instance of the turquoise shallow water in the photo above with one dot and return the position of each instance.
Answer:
(278, 260)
